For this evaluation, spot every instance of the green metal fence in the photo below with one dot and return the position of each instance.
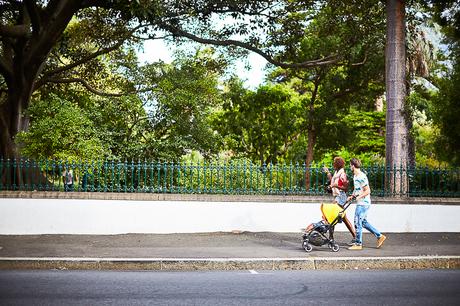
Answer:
(212, 178)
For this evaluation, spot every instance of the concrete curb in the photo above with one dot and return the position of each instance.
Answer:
(213, 197)
(210, 264)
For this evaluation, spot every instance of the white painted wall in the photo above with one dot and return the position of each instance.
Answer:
(61, 216)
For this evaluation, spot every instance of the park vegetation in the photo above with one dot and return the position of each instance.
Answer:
(72, 87)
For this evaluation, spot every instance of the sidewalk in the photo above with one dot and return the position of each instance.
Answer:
(224, 251)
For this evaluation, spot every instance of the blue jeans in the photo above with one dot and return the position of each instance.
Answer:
(361, 221)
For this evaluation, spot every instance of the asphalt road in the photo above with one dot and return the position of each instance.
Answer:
(406, 287)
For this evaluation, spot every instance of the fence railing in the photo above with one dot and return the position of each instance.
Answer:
(212, 178)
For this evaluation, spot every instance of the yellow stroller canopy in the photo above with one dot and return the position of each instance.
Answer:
(331, 211)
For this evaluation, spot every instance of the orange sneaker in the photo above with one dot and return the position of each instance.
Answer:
(380, 240)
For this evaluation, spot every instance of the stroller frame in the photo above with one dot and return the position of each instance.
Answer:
(316, 235)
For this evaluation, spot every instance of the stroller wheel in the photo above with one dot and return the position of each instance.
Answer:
(335, 247)
(307, 247)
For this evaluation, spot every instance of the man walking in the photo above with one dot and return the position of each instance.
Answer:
(362, 194)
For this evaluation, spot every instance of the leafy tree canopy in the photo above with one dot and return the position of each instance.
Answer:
(63, 132)
(168, 115)
(260, 125)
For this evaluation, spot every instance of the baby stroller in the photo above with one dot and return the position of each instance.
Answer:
(315, 233)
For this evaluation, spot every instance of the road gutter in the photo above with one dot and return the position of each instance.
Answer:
(219, 264)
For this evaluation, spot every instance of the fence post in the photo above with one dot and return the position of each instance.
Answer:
(1, 173)
(117, 166)
(73, 166)
(144, 180)
(283, 189)
(171, 177)
(14, 173)
(137, 181)
(205, 174)
(250, 186)
(317, 171)
(190, 177)
(264, 173)
(211, 177)
(245, 189)
(179, 177)
(231, 177)
(224, 179)
(277, 183)
(9, 182)
(296, 181)
(111, 168)
(150, 184)
(35, 180)
(218, 167)
(23, 167)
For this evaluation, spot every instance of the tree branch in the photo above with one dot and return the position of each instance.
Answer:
(332, 59)
(91, 56)
(58, 15)
(288, 142)
(246, 13)
(83, 60)
(87, 85)
(34, 14)
(151, 37)
(14, 31)
(362, 62)
(95, 3)
(5, 70)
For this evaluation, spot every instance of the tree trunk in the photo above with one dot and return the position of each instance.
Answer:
(12, 119)
(311, 136)
(309, 159)
(397, 144)
(6, 141)
(22, 60)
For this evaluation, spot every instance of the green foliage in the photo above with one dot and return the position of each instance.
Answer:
(60, 130)
(166, 118)
(120, 119)
(260, 125)
(367, 158)
(437, 128)
(178, 107)
(425, 141)
(329, 92)
(446, 117)
(425, 133)
(446, 104)
(366, 132)
(122, 124)
(186, 94)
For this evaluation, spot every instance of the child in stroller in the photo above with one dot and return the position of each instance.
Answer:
(315, 233)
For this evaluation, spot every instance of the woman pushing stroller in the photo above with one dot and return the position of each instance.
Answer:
(339, 187)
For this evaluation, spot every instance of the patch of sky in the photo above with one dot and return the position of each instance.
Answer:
(250, 68)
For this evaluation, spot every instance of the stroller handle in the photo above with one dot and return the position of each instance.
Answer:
(348, 203)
